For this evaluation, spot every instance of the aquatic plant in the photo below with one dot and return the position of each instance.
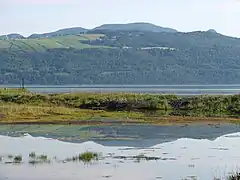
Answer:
(32, 155)
(17, 159)
(235, 176)
(84, 157)
(232, 176)
(38, 159)
(88, 156)
(42, 157)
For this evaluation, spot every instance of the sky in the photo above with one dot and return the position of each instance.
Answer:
(38, 16)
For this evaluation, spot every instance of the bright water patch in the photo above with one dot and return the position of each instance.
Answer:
(181, 158)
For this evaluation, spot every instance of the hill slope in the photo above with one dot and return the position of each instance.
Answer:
(145, 27)
(61, 32)
(122, 57)
(44, 44)
(11, 37)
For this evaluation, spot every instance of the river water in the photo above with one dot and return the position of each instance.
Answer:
(163, 89)
(200, 151)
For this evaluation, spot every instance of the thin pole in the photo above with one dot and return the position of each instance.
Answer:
(23, 83)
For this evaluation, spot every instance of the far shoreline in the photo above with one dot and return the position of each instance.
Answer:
(164, 89)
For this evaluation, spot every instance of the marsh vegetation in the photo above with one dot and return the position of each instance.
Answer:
(234, 176)
(85, 157)
(19, 105)
(38, 159)
(17, 159)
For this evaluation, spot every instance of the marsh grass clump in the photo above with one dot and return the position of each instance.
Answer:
(88, 157)
(42, 157)
(232, 176)
(32, 155)
(17, 159)
(85, 157)
(235, 176)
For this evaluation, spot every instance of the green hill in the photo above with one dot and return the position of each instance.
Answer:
(43, 44)
(122, 57)
(61, 32)
(11, 36)
(143, 27)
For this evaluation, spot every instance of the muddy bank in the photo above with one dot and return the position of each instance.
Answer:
(167, 120)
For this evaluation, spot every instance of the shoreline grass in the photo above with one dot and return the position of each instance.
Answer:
(20, 106)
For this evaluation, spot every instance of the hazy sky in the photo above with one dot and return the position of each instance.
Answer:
(38, 16)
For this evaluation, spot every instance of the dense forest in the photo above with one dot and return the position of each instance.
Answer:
(101, 56)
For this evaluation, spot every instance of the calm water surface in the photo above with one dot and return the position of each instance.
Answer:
(165, 89)
(202, 151)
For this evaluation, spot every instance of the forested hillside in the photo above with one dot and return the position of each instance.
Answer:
(101, 56)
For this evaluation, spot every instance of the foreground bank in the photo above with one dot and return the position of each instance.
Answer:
(21, 106)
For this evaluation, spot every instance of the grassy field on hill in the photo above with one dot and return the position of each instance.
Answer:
(21, 106)
(43, 44)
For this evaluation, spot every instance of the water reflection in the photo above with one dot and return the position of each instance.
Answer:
(123, 135)
(180, 158)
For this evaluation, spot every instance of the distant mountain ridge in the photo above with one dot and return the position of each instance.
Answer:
(138, 26)
(11, 36)
(135, 27)
(61, 32)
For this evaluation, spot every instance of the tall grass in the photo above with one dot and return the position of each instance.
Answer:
(20, 104)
